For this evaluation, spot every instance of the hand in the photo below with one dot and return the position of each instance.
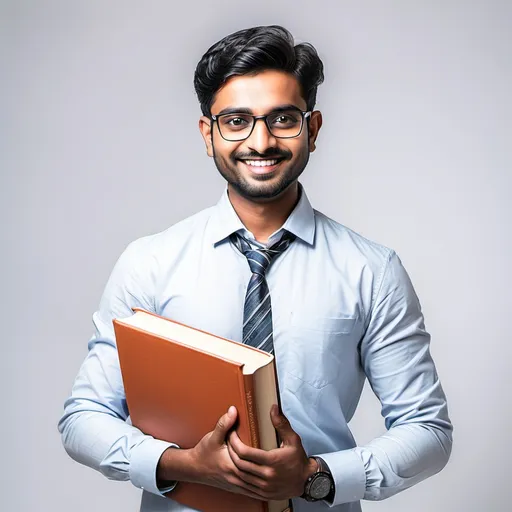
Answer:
(275, 474)
(213, 464)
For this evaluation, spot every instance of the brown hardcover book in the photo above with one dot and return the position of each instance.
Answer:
(179, 381)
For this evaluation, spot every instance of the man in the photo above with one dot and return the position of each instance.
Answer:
(262, 267)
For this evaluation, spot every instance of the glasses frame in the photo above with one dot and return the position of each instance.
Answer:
(305, 115)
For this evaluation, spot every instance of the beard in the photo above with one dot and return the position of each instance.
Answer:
(262, 187)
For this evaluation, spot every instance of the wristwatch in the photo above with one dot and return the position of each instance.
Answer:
(320, 485)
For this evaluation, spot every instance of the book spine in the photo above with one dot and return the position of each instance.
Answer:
(251, 410)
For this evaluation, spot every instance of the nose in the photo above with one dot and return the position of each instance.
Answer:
(261, 139)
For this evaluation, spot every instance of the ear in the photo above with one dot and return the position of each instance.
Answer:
(205, 127)
(315, 124)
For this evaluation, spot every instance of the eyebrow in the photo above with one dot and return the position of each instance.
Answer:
(243, 110)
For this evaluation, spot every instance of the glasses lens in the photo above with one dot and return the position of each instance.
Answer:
(235, 126)
(285, 123)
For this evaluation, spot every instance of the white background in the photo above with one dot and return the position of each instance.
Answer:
(99, 145)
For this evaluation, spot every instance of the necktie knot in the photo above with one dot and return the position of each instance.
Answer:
(260, 259)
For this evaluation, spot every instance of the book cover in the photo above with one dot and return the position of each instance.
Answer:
(176, 392)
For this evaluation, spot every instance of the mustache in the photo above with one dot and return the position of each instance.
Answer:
(269, 154)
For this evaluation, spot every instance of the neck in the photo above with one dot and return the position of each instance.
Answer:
(264, 218)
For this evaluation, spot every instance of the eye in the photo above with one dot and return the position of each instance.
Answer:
(283, 119)
(237, 121)
(233, 123)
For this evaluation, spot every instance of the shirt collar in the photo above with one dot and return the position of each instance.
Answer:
(225, 221)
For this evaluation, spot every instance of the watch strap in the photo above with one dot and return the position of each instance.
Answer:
(324, 468)
(321, 468)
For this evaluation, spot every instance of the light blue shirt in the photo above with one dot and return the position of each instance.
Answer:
(343, 310)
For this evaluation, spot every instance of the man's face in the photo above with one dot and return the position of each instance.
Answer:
(241, 162)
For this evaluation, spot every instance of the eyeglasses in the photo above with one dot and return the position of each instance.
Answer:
(282, 124)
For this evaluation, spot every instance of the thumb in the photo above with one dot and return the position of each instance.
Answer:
(282, 425)
(226, 421)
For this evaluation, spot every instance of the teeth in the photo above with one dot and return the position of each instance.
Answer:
(261, 163)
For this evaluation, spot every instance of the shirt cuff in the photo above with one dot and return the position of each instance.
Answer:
(144, 462)
(348, 472)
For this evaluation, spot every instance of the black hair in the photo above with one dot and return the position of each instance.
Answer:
(252, 50)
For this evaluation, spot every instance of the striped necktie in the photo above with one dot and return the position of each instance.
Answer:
(257, 330)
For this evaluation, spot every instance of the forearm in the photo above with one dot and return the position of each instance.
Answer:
(176, 466)
(113, 447)
(404, 456)
(91, 438)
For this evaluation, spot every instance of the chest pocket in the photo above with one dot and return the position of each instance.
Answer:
(320, 349)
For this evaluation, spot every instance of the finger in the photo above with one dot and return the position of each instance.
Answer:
(248, 453)
(282, 425)
(238, 486)
(263, 489)
(226, 421)
(245, 466)
(250, 483)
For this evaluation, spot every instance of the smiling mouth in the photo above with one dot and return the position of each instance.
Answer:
(260, 166)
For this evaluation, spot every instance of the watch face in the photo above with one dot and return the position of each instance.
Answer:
(320, 486)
